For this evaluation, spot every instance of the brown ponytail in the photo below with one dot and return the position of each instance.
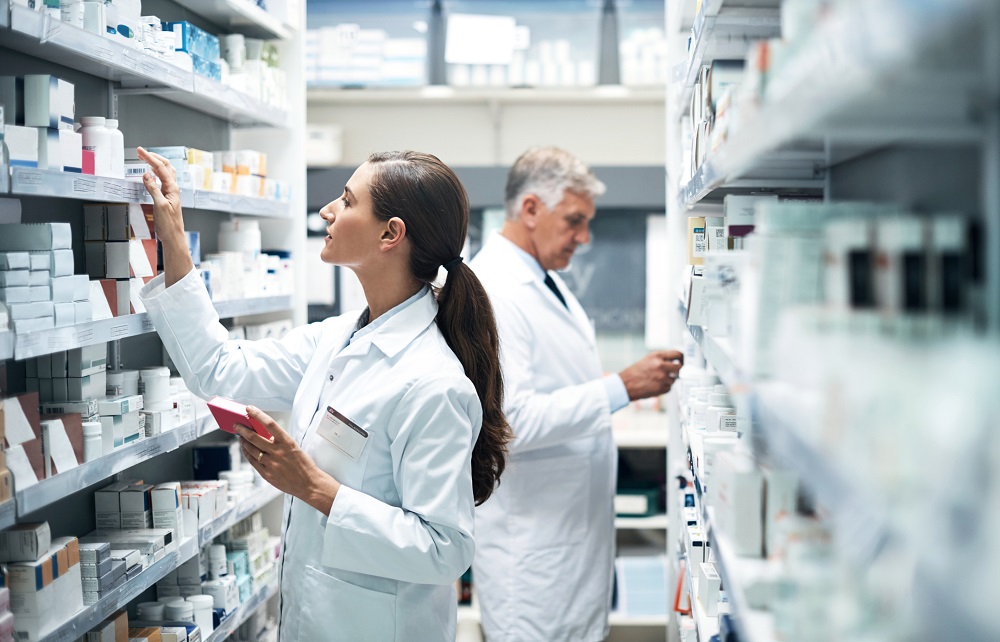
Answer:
(431, 201)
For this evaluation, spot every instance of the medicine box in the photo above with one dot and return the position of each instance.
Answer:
(15, 260)
(88, 387)
(167, 510)
(22, 145)
(95, 553)
(26, 237)
(107, 509)
(120, 405)
(48, 102)
(25, 542)
(86, 361)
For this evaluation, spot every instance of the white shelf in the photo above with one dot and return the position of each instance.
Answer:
(262, 496)
(43, 342)
(488, 95)
(28, 181)
(795, 171)
(618, 619)
(53, 489)
(91, 616)
(632, 438)
(37, 34)
(243, 613)
(718, 353)
(653, 522)
(240, 16)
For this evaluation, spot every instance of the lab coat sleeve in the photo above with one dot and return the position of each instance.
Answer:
(263, 373)
(428, 539)
(538, 419)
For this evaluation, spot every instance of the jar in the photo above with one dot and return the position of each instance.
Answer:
(97, 139)
(217, 565)
(182, 611)
(115, 386)
(155, 389)
(131, 382)
(93, 441)
(117, 149)
(203, 606)
(150, 611)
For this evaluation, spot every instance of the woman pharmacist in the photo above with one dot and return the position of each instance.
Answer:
(396, 423)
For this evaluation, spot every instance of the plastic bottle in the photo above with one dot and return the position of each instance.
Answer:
(240, 235)
(182, 611)
(93, 441)
(155, 388)
(217, 567)
(203, 605)
(117, 142)
(97, 139)
(720, 404)
(150, 611)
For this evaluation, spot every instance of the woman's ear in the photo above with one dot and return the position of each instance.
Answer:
(393, 233)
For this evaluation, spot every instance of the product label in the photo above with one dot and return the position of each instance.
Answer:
(729, 422)
(699, 242)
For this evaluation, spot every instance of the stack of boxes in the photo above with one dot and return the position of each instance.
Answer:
(250, 542)
(122, 423)
(41, 109)
(101, 573)
(37, 283)
(197, 46)
(121, 257)
(71, 377)
(43, 577)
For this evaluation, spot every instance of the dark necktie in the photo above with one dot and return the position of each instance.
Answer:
(555, 289)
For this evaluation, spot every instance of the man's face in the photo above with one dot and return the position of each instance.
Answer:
(559, 231)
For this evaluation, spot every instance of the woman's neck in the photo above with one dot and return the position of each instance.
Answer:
(385, 291)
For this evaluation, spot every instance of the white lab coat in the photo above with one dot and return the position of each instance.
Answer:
(382, 567)
(545, 539)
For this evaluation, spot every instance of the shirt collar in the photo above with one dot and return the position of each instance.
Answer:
(363, 329)
(530, 262)
(398, 327)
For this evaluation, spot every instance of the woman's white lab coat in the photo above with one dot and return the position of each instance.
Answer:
(545, 539)
(383, 565)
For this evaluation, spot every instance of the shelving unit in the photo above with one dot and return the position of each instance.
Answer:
(26, 181)
(653, 522)
(852, 111)
(34, 344)
(113, 78)
(446, 95)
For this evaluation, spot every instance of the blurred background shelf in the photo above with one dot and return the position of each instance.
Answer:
(240, 16)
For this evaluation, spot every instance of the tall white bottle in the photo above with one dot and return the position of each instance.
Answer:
(97, 139)
(117, 148)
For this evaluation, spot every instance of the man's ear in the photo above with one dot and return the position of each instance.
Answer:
(393, 233)
(531, 208)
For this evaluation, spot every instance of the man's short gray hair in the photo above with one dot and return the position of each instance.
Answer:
(547, 172)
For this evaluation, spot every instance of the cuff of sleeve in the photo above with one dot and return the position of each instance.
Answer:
(345, 505)
(617, 393)
(157, 289)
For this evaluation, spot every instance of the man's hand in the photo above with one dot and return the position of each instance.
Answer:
(653, 375)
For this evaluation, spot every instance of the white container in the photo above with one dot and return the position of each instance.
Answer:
(150, 611)
(180, 611)
(240, 235)
(155, 389)
(720, 404)
(217, 566)
(116, 383)
(234, 50)
(93, 444)
(203, 605)
(97, 139)
(71, 12)
(117, 141)
(131, 382)
(95, 17)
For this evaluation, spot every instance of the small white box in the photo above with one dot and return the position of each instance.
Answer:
(48, 102)
(22, 145)
(136, 506)
(68, 289)
(40, 293)
(30, 310)
(15, 260)
(25, 542)
(708, 588)
(107, 508)
(34, 325)
(58, 262)
(120, 405)
(27, 237)
(89, 387)
(167, 511)
(14, 278)
(120, 429)
(86, 361)
(19, 294)
(38, 277)
(71, 151)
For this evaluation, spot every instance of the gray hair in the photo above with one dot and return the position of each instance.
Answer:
(548, 172)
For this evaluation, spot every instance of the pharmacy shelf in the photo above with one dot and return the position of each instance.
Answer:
(91, 616)
(261, 497)
(37, 34)
(488, 95)
(228, 626)
(724, 33)
(706, 625)
(34, 344)
(859, 517)
(799, 172)
(8, 514)
(240, 16)
(633, 438)
(718, 352)
(6, 344)
(57, 487)
(27, 181)
(653, 522)
(736, 572)
(622, 620)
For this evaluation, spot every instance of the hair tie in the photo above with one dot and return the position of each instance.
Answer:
(452, 263)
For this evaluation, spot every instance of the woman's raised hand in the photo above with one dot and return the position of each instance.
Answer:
(166, 196)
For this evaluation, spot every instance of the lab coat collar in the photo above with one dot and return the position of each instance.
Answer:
(406, 325)
(523, 267)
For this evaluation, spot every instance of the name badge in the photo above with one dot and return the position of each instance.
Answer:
(343, 433)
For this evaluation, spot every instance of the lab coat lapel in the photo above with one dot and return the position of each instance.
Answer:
(580, 319)
(312, 383)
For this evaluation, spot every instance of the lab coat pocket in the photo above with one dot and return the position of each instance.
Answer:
(336, 610)
(555, 500)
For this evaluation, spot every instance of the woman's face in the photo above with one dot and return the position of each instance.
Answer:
(352, 229)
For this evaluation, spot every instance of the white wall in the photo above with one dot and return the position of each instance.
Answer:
(477, 134)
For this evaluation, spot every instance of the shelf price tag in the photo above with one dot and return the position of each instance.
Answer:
(130, 61)
(84, 186)
(188, 434)
(25, 179)
(119, 331)
(83, 336)
(103, 53)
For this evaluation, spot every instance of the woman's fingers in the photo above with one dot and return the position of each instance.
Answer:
(160, 166)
